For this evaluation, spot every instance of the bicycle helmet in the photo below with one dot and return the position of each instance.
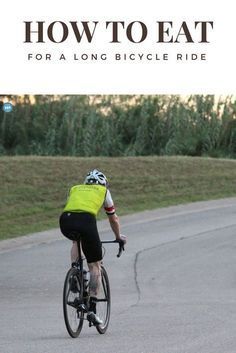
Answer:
(96, 177)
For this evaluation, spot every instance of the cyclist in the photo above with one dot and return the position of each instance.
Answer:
(79, 217)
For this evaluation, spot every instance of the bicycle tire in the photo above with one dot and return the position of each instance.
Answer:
(73, 316)
(103, 307)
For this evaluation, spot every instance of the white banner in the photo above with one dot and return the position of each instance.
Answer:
(125, 47)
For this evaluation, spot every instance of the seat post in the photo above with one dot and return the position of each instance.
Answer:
(80, 260)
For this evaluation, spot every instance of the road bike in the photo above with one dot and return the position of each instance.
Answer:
(76, 295)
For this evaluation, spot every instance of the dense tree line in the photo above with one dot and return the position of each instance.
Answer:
(119, 125)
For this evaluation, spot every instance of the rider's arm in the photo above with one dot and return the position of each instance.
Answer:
(115, 225)
(112, 216)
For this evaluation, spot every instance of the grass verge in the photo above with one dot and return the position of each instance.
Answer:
(34, 189)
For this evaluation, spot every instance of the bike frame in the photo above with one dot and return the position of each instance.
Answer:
(80, 304)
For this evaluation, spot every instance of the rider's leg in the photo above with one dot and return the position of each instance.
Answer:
(95, 278)
(94, 283)
(74, 252)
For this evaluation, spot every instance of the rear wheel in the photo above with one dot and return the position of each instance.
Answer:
(103, 307)
(72, 303)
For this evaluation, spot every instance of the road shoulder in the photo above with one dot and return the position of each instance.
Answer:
(52, 235)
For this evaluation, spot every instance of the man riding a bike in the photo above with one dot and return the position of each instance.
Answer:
(79, 219)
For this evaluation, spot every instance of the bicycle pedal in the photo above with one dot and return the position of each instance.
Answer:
(77, 303)
(82, 307)
(91, 324)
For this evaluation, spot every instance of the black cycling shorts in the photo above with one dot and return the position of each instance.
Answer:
(74, 224)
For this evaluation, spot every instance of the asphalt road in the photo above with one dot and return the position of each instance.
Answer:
(173, 290)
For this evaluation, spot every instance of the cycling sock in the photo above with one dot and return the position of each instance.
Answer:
(92, 304)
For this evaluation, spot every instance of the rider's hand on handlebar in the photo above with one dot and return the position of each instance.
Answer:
(122, 239)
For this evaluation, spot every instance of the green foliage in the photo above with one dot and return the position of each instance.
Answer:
(119, 126)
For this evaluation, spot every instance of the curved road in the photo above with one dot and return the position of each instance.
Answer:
(173, 290)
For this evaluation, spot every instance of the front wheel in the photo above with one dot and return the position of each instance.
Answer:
(103, 307)
(72, 300)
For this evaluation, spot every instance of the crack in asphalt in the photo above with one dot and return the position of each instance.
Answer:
(140, 252)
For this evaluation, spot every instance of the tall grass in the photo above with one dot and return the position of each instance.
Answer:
(119, 126)
(34, 189)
